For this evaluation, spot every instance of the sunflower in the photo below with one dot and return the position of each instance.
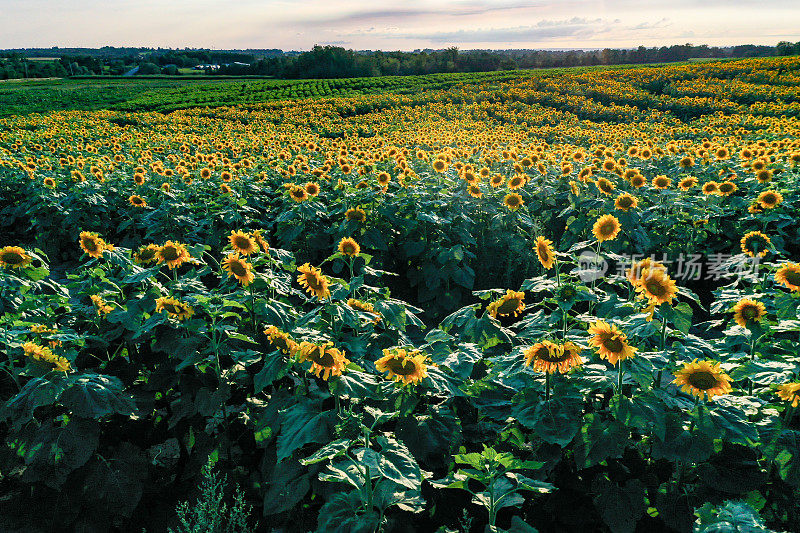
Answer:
(146, 254)
(544, 249)
(611, 343)
(34, 351)
(789, 276)
(365, 307)
(789, 392)
(516, 182)
(702, 378)
(661, 182)
(355, 214)
(298, 194)
(726, 188)
(747, 310)
(137, 201)
(638, 181)
(770, 199)
(383, 179)
(510, 304)
(224, 189)
(100, 305)
(408, 366)
(323, 357)
(50, 183)
(14, 257)
(349, 247)
(165, 187)
(513, 201)
(238, 268)
(173, 254)
(314, 281)
(281, 340)
(686, 162)
(711, 187)
(174, 308)
(755, 243)
(260, 241)
(754, 208)
(242, 243)
(625, 201)
(440, 165)
(764, 175)
(656, 286)
(606, 228)
(496, 180)
(687, 183)
(604, 185)
(549, 357)
(92, 244)
(474, 191)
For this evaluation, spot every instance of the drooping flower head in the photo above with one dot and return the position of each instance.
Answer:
(510, 304)
(314, 281)
(406, 366)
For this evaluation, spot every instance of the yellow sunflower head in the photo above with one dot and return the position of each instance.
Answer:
(755, 244)
(661, 182)
(625, 202)
(544, 249)
(312, 188)
(237, 267)
(100, 305)
(137, 201)
(770, 199)
(549, 357)
(789, 276)
(242, 243)
(406, 366)
(356, 214)
(349, 247)
(173, 254)
(365, 307)
(687, 183)
(298, 194)
(746, 311)
(14, 257)
(656, 286)
(606, 228)
(611, 343)
(474, 191)
(789, 392)
(726, 188)
(710, 187)
(258, 236)
(146, 254)
(92, 244)
(516, 182)
(703, 378)
(496, 180)
(638, 181)
(174, 308)
(513, 201)
(324, 358)
(315, 283)
(510, 304)
(281, 340)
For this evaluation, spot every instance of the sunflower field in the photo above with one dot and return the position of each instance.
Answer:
(566, 301)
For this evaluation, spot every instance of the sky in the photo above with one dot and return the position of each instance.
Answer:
(395, 24)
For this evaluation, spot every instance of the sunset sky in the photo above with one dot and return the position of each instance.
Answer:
(395, 25)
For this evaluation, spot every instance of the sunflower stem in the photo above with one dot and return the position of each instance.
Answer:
(619, 379)
(547, 386)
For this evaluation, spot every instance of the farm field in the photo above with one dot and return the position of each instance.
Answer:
(550, 301)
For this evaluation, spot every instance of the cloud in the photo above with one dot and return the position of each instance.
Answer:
(662, 23)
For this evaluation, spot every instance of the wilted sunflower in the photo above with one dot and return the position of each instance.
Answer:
(704, 378)
(314, 281)
(625, 201)
(356, 214)
(789, 276)
(513, 201)
(100, 305)
(726, 188)
(92, 244)
(546, 356)
(365, 307)
(408, 366)
(173, 254)
(510, 304)
(242, 243)
(281, 340)
(770, 199)
(298, 194)
(755, 243)
(789, 392)
(349, 247)
(687, 183)
(611, 343)
(544, 249)
(606, 228)
(656, 286)
(14, 257)
(324, 359)
(146, 254)
(747, 310)
(238, 268)
(174, 308)
(710, 187)
(661, 182)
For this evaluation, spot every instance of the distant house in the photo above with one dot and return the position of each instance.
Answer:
(205, 67)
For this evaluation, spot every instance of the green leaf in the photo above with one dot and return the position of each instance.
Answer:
(301, 424)
(556, 421)
(620, 506)
(96, 396)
